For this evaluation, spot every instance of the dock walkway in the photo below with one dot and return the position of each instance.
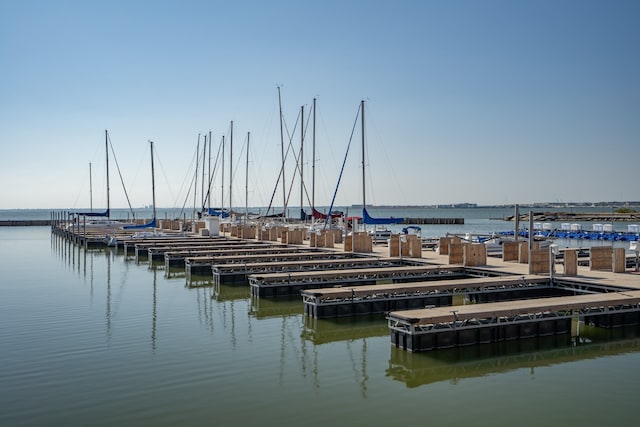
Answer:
(279, 284)
(198, 265)
(442, 327)
(376, 299)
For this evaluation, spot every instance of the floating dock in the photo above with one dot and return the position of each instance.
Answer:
(239, 272)
(173, 260)
(281, 284)
(198, 265)
(420, 297)
(444, 327)
(176, 255)
(377, 299)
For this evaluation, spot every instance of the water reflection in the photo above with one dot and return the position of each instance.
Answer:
(322, 331)
(455, 364)
(154, 313)
(263, 308)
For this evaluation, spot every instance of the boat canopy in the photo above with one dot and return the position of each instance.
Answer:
(150, 224)
(100, 214)
(222, 213)
(368, 219)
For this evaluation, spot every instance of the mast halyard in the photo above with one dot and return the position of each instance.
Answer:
(231, 172)
(302, 214)
(364, 199)
(90, 190)
(106, 146)
(246, 185)
(153, 183)
(313, 161)
(284, 186)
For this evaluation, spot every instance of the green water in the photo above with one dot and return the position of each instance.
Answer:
(93, 338)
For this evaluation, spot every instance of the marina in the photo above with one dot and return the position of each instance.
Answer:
(356, 316)
(336, 283)
(255, 214)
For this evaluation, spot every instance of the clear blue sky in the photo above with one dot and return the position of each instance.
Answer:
(488, 102)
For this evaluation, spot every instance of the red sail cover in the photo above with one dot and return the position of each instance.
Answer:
(319, 215)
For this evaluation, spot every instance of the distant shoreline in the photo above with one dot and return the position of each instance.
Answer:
(25, 223)
(579, 217)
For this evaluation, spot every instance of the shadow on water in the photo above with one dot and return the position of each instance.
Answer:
(455, 364)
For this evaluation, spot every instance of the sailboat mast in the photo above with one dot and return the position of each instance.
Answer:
(246, 184)
(231, 170)
(195, 184)
(313, 162)
(153, 183)
(302, 215)
(222, 180)
(284, 187)
(90, 190)
(204, 159)
(106, 146)
(364, 200)
(209, 175)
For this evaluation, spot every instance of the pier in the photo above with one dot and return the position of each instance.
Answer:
(378, 299)
(444, 327)
(198, 265)
(238, 248)
(455, 296)
(239, 272)
(291, 283)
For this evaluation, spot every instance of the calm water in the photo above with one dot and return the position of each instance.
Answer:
(92, 338)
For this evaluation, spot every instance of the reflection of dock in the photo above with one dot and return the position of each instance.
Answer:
(417, 369)
(331, 330)
(229, 292)
(264, 308)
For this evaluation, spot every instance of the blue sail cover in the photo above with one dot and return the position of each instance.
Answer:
(100, 214)
(222, 213)
(150, 224)
(368, 219)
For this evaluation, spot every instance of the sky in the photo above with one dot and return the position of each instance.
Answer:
(487, 102)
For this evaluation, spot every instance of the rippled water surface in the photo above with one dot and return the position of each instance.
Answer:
(94, 338)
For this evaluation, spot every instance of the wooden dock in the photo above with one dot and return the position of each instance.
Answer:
(239, 272)
(175, 260)
(443, 327)
(177, 254)
(502, 301)
(155, 252)
(198, 265)
(378, 299)
(291, 283)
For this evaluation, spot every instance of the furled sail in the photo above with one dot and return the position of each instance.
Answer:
(368, 219)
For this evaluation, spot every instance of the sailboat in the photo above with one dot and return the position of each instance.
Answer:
(98, 219)
(379, 232)
(152, 223)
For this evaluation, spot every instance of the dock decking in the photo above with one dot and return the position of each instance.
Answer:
(403, 288)
(442, 327)
(291, 283)
(377, 299)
